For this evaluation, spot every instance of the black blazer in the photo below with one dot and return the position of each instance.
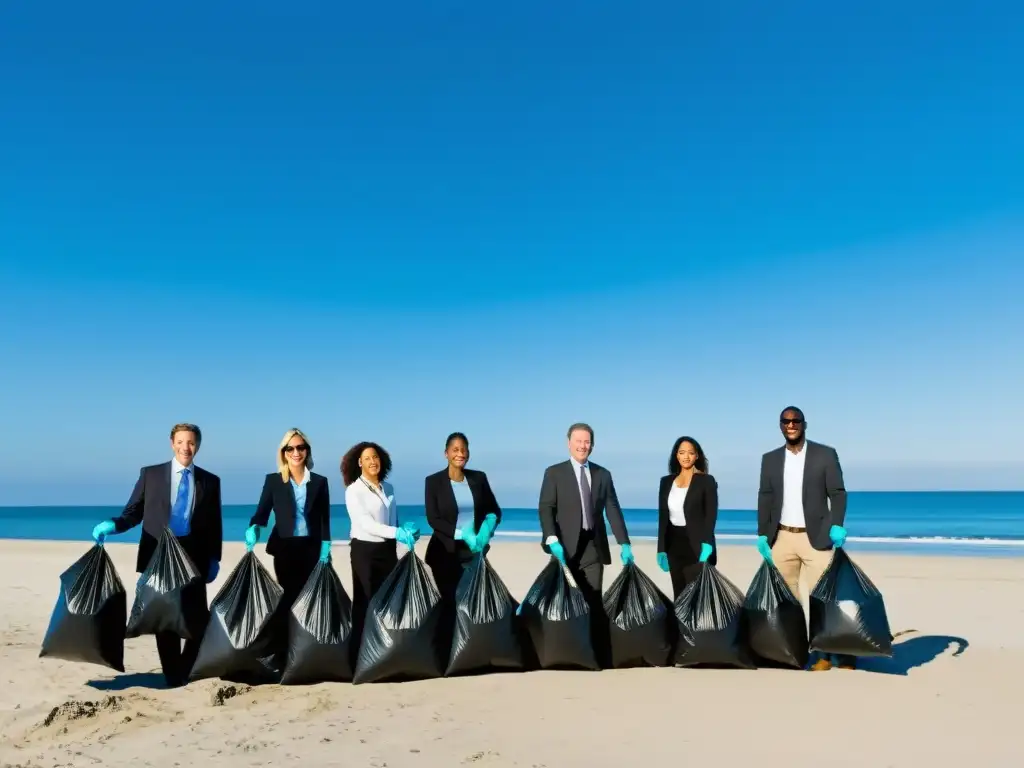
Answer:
(150, 504)
(278, 496)
(561, 513)
(700, 508)
(824, 494)
(443, 510)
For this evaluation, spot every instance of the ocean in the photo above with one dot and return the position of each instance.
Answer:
(987, 523)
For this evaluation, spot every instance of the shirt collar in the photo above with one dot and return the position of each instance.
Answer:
(305, 477)
(177, 466)
(577, 464)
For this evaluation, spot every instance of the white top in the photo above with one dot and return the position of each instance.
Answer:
(373, 514)
(793, 488)
(176, 469)
(577, 468)
(676, 499)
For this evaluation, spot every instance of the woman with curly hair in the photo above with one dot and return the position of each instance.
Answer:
(370, 502)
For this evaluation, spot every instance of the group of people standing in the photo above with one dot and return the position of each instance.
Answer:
(800, 513)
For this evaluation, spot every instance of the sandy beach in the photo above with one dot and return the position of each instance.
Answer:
(945, 699)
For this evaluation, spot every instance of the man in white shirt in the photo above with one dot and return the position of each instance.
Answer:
(801, 507)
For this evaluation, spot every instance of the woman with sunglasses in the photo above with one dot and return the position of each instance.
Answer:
(301, 502)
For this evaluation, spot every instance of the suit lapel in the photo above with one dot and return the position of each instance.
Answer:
(574, 482)
(311, 490)
(808, 458)
(165, 490)
(197, 476)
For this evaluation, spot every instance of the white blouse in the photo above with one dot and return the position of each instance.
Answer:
(676, 499)
(373, 514)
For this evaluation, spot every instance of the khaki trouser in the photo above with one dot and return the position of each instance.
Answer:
(793, 553)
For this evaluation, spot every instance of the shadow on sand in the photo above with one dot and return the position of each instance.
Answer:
(151, 680)
(913, 652)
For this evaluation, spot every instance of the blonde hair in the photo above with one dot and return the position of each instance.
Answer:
(282, 463)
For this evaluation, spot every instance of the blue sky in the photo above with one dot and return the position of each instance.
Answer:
(393, 222)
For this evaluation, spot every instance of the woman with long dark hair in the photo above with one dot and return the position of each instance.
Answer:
(373, 512)
(687, 513)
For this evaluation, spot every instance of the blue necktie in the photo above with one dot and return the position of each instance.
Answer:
(179, 512)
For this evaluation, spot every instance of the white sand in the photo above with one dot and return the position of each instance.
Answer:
(947, 710)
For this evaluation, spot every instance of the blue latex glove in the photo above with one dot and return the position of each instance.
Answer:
(558, 551)
(252, 535)
(763, 548)
(627, 554)
(663, 561)
(466, 535)
(838, 535)
(412, 528)
(487, 529)
(325, 551)
(405, 537)
(214, 570)
(483, 537)
(705, 552)
(102, 530)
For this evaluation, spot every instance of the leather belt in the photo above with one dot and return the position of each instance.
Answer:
(791, 529)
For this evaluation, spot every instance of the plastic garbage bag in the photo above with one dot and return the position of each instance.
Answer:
(238, 643)
(400, 636)
(642, 622)
(487, 633)
(557, 617)
(775, 625)
(87, 623)
(319, 631)
(848, 613)
(162, 592)
(711, 627)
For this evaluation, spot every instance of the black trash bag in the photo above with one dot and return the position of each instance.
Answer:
(709, 613)
(487, 633)
(87, 623)
(239, 641)
(642, 622)
(848, 613)
(319, 631)
(163, 591)
(401, 633)
(557, 617)
(775, 624)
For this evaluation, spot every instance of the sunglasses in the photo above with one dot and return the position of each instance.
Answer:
(294, 448)
(791, 422)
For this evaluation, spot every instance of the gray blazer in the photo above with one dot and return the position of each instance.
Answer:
(561, 513)
(824, 494)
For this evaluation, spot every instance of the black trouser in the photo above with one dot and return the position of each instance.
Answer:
(372, 562)
(294, 561)
(447, 569)
(177, 661)
(682, 558)
(587, 568)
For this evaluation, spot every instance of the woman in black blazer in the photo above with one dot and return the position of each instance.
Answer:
(301, 501)
(687, 512)
(463, 513)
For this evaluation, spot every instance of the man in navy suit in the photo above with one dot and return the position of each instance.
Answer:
(186, 498)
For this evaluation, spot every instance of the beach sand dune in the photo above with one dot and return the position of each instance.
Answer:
(948, 697)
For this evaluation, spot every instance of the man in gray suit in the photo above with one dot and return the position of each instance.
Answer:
(801, 506)
(574, 497)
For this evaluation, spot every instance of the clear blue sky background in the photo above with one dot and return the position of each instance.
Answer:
(393, 220)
